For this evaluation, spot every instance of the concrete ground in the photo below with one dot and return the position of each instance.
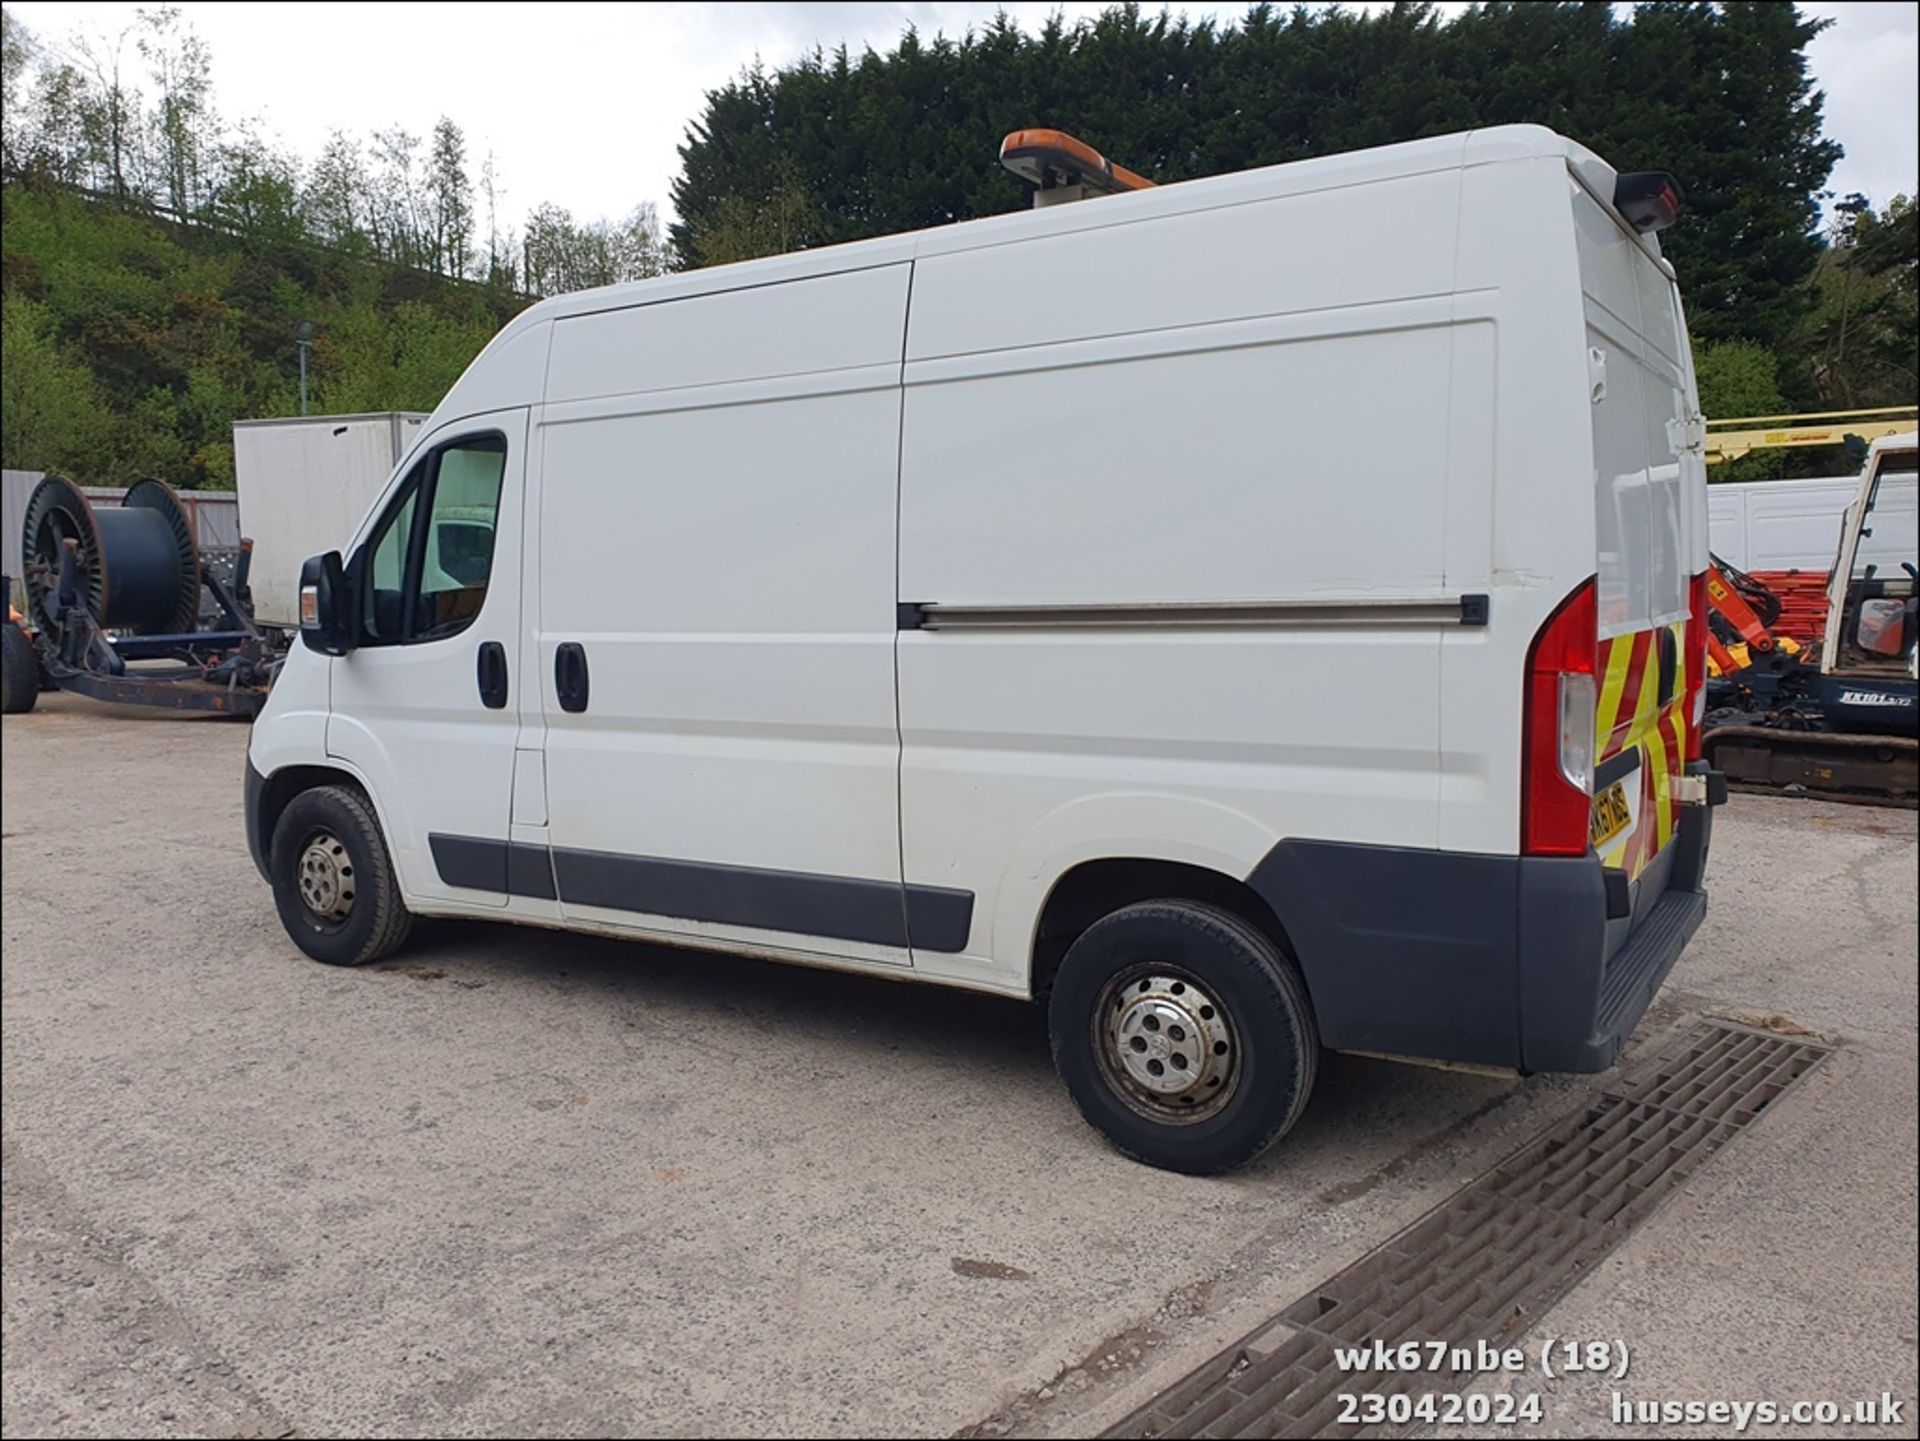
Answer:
(528, 1183)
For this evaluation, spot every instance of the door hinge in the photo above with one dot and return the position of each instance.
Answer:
(1687, 436)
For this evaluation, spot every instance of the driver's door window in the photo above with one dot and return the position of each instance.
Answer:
(384, 617)
(429, 561)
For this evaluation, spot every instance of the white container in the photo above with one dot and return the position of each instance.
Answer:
(304, 485)
(1795, 524)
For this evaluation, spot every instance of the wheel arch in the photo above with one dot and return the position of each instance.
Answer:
(277, 791)
(1096, 888)
(1120, 847)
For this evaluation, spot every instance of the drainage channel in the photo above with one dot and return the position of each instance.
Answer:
(1485, 1264)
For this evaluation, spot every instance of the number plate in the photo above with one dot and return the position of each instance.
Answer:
(1610, 815)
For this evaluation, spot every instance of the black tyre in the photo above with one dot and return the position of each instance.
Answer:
(19, 671)
(1183, 1035)
(333, 880)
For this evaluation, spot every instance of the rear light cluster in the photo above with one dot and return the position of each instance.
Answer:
(1557, 726)
(1695, 661)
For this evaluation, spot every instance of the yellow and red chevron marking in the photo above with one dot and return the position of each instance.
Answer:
(1629, 714)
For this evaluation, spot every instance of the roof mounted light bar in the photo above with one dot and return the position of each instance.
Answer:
(1649, 199)
(1061, 168)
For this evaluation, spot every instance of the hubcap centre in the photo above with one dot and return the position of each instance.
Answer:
(1167, 1037)
(326, 878)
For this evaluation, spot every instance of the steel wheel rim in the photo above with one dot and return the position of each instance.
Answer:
(1166, 1045)
(325, 880)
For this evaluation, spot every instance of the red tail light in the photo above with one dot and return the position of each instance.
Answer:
(1695, 661)
(1557, 729)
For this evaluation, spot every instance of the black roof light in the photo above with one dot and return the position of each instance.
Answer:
(1649, 199)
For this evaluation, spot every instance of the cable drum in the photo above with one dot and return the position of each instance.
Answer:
(139, 568)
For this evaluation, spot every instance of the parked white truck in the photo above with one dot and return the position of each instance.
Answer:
(305, 484)
(1254, 614)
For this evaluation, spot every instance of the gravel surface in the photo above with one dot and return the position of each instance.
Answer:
(520, 1182)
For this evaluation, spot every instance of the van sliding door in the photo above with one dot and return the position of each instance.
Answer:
(716, 615)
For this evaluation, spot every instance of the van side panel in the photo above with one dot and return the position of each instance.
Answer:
(1104, 454)
(723, 552)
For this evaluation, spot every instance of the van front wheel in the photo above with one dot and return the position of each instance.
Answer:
(1183, 1035)
(333, 881)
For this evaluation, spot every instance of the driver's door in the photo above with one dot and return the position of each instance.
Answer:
(422, 705)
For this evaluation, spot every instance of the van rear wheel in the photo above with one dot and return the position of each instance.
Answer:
(333, 880)
(1183, 1035)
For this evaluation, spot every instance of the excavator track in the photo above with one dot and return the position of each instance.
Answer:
(1881, 770)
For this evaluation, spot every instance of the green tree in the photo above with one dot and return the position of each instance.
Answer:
(1737, 379)
(181, 68)
(560, 255)
(17, 52)
(403, 359)
(449, 202)
(334, 198)
(1856, 346)
(747, 227)
(109, 112)
(1719, 95)
(51, 414)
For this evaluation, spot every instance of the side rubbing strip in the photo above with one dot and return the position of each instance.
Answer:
(530, 872)
(474, 865)
(939, 919)
(1388, 612)
(840, 907)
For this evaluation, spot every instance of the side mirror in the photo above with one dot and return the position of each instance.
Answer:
(326, 614)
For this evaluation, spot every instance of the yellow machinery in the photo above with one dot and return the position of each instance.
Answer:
(1733, 438)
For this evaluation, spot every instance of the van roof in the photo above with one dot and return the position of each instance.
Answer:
(1415, 157)
(508, 370)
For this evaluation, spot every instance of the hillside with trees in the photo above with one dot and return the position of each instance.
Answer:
(157, 257)
(155, 261)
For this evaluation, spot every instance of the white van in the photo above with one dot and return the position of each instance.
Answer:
(1252, 615)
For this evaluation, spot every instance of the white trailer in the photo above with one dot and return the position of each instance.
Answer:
(304, 485)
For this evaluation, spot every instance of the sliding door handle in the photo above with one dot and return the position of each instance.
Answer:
(570, 676)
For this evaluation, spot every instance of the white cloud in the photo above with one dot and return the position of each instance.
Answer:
(586, 105)
(1865, 62)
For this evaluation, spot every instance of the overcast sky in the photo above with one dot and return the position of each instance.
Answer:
(585, 104)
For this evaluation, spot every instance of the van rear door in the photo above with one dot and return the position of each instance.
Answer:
(1649, 480)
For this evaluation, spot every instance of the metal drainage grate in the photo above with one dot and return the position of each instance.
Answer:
(1487, 1262)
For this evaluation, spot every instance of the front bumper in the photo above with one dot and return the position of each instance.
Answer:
(1533, 963)
(256, 841)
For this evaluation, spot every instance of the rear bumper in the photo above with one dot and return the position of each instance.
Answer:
(1516, 961)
